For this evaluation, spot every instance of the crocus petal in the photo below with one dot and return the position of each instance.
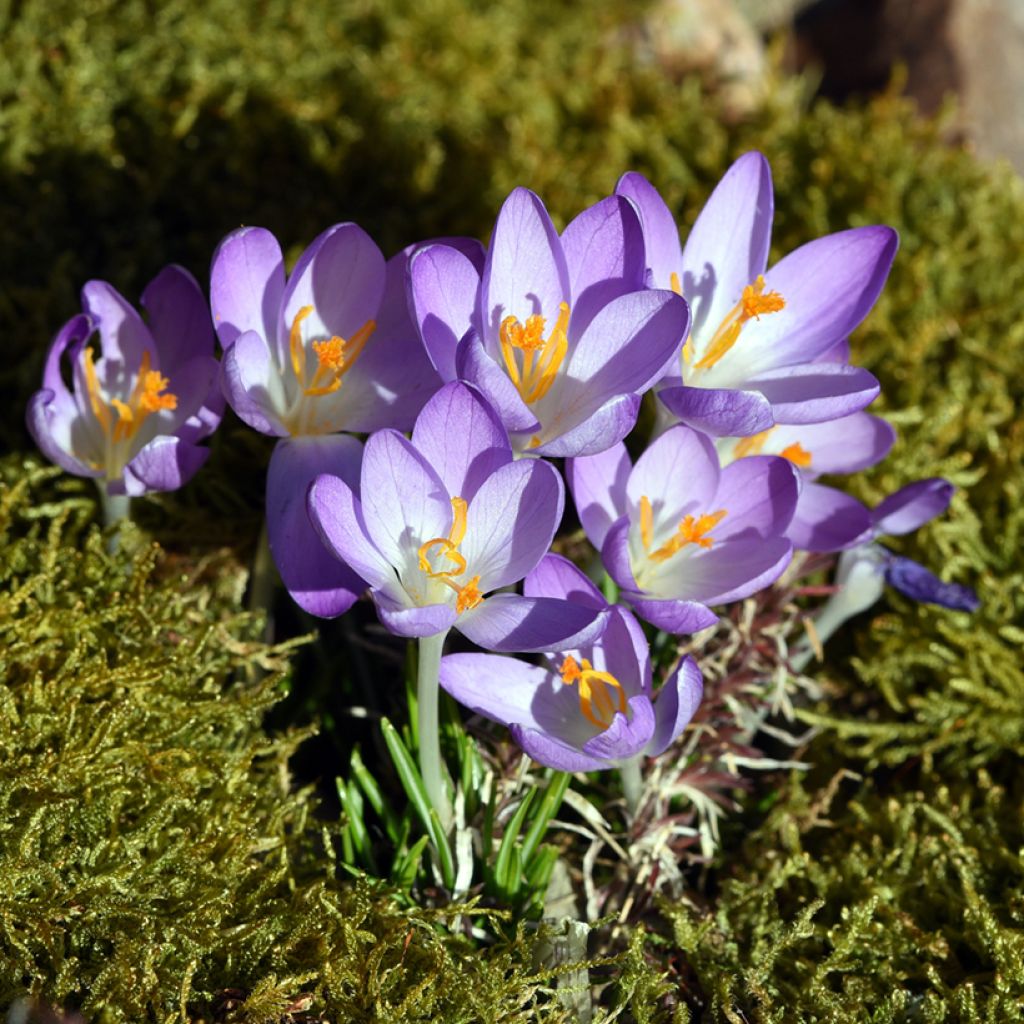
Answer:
(627, 735)
(476, 367)
(615, 555)
(846, 445)
(166, 463)
(678, 474)
(598, 486)
(728, 245)
(509, 622)
(124, 337)
(502, 689)
(246, 285)
(598, 432)
(920, 584)
(553, 753)
(525, 273)
(912, 506)
(341, 275)
(252, 384)
(443, 288)
(415, 621)
(317, 581)
(555, 576)
(675, 704)
(816, 392)
(759, 494)
(604, 255)
(827, 519)
(337, 516)
(461, 436)
(661, 236)
(511, 522)
(727, 572)
(404, 502)
(51, 424)
(179, 318)
(677, 617)
(720, 412)
(829, 286)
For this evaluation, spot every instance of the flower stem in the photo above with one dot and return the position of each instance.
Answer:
(115, 506)
(632, 783)
(427, 673)
(262, 581)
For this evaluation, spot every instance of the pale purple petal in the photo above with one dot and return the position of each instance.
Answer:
(461, 436)
(252, 384)
(179, 318)
(511, 522)
(556, 576)
(509, 622)
(912, 506)
(827, 519)
(727, 572)
(829, 286)
(166, 463)
(920, 584)
(615, 554)
(816, 392)
(606, 427)
(124, 337)
(661, 236)
(478, 368)
(759, 495)
(502, 689)
(443, 288)
(678, 474)
(728, 245)
(677, 617)
(720, 412)
(627, 735)
(525, 273)
(413, 621)
(337, 517)
(404, 502)
(598, 486)
(246, 285)
(845, 445)
(553, 753)
(315, 578)
(675, 704)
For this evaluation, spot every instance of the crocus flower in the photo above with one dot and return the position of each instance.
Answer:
(330, 349)
(135, 413)
(826, 519)
(586, 707)
(751, 357)
(678, 533)
(558, 332)
(444, 520)
(863, 571)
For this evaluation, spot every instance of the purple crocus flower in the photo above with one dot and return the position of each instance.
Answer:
(330, 349)
(826, 519)
(678, 533)
(751, 358)
(444, 520)
(559, 333)
(586, 707)
(135, 414)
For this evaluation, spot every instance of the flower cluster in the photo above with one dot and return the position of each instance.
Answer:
(493, 360)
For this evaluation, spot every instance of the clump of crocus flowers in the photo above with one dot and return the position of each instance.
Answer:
(463, 369)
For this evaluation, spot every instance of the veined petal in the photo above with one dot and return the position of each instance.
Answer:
(728, 246)
(627, 735)
(552, 752)
(827, 519)
(461, 436)
(252, 384)
(123, 335)
(509, 622)
(844, 445)
(920, 584)
(500, 688)
(664, 254)
(615, 555)
(316, 579)
(720, 412)
(672, 616)
(246, 285)
(676, 703)
(598, 432)
(413, 620)
(555, 576)
(912, 506)
(476, 367)
(166, 463)
(759, 494)
(816, 392)
(179, 318)
(598, 486)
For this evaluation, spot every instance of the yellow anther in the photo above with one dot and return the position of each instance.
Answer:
(335, 356)
(152, 399)
(148, 396)
(752, 305)
(646, 522)
(468, 595)
(541, 358)
(330, 354)
(752, 445)
(99, 408)
(692, 530)
(797, 454)
(595, 691)
(674, 283)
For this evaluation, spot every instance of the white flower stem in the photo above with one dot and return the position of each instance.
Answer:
(632, 783)
(116, 509)
(262, 580)
(429, 732)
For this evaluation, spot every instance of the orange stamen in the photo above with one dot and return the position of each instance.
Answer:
(541, 358)
(335, 356)
(148, 396)
(595, 689)
(752, 445)
(468, 595)
(646, 522)
(690, 531)
(752, 305)
(797, 454)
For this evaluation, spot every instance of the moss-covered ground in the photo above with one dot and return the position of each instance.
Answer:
(157, 859)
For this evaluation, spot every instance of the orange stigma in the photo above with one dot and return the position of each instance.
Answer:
(596, 703)
(335, 356)
(691, 530)
(541, 358)
(468, 595)
(753, 304)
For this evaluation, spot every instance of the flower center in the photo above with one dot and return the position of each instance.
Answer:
(754, 303)
(468, 594)
(596, 703)
(691, 530)
(334, 357)
(149, 395)
(753, 445)
(531, 360)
